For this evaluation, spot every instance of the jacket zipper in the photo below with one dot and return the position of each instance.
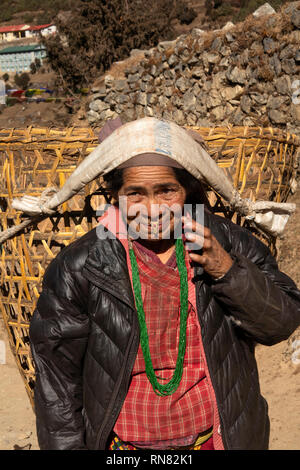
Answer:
(102, 434)
(217, 414)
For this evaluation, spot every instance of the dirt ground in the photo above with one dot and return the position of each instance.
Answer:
(279, 374)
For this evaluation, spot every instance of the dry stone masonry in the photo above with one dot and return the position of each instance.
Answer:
(245, 75)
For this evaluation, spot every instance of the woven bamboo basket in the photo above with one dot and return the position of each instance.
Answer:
(260, 162)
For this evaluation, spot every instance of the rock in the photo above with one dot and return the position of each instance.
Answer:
(193, 60)
(295, 112)
(197, 72)
(165, 45)
(108, 114)
(189, 101)
(234, 102)
(99, 95)
(229, 109)
(201, 108)
(287, 52)
(229, 37)
(283, 85)
(224, 62)
(151, 51)
(157, 81)
(228, 26)
(129, 114)
(139, 111)
(214, 98)
(198, 31)
(248, 121)
(225, 51)
(133, 78)
(264, 10)
(269, 45)
(149, 111)
(167, 115)
(153, 70)
(218, 113)
(179, 117)
(236, 75)
(296, 92)
(258, 98)
(290, 8)
(168, 91)
(163, 101)
(289, 66)
(169, 74)
(216, 44)
(297, 56)
(184, 53)
(179, 68)
(109, 80)
(177, 101)
(210, 58)
(206, 87)
(182, 84)
(143, 86)
(120, 85)
(147, 77)
(271, 22)
(121, 98)
(295, 18)
(92, 116)
(173, 59)
(98, 105)
(276, 102)
(275, 64)
(245, 104)
(196, 89)
(99, 90)
(191, 119)
(230, 93)
(152, 98)
(137, 52)
(141, 99)
(237, 118)
(277, 117)
(133, 69)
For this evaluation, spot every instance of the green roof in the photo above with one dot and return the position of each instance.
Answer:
(13, 50)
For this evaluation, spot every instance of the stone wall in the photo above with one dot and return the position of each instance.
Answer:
(245, 75)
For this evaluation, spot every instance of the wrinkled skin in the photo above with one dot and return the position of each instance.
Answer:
(149, 185)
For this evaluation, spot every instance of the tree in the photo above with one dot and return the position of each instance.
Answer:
(22, 80)
(99, 32)
(32, 68)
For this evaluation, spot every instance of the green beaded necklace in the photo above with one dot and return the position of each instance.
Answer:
(172, 385)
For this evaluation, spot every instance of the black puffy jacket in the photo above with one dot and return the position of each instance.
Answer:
(84, 337)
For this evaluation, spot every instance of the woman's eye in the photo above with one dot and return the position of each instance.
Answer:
(167, 190)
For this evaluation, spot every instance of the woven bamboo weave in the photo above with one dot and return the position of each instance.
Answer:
(260, 162)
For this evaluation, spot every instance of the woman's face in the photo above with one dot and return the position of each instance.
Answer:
(151, 200)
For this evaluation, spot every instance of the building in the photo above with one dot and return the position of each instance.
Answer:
(18, 59)
(23, 31)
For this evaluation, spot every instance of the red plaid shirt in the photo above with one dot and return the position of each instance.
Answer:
(145, 417)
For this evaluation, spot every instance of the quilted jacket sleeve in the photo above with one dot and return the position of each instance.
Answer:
(262, 300)
(58, 335)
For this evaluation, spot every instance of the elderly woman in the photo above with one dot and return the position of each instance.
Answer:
(141, 342)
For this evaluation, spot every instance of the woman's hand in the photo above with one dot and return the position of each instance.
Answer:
(213, 258)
